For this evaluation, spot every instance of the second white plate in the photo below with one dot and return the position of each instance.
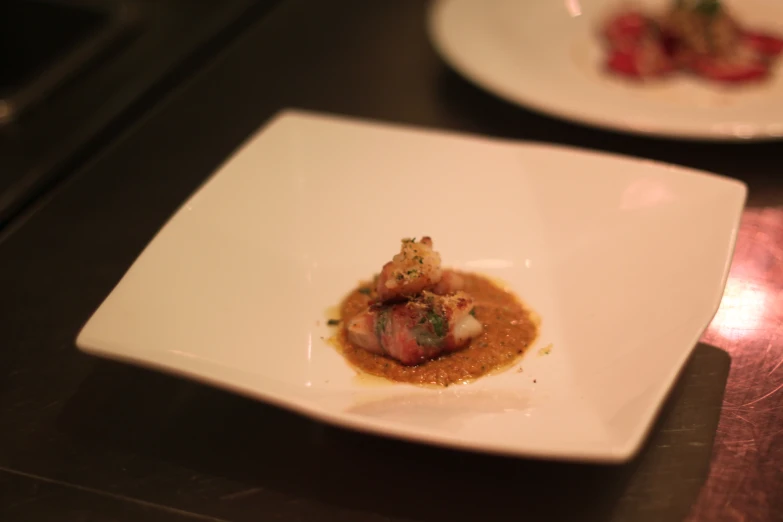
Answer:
(546, 55)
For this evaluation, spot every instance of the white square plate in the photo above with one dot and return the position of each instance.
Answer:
(624, 260)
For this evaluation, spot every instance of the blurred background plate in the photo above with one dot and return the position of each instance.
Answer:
(547, 56)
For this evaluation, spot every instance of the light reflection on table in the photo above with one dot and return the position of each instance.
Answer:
(749, 443)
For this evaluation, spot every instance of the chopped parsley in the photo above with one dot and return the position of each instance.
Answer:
(365, 291)
(431, 329)
(333, 322)
(426, 338)
(380, 324)
(546, 350)
(437, 322)
(708, 7)
(473, 311)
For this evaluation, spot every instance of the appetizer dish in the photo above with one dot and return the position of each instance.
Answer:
(697, 37)
(420, 323)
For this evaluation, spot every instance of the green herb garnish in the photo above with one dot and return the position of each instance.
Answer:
(708, 7)
(426, 338)
(473, 311)
(437, 322)
(431, 329)
(365, 291)
(380, 324)
(333, 322)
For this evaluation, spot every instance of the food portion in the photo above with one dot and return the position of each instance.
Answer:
(698, 37)
(420, 323)
(418, 329)
(415, 269)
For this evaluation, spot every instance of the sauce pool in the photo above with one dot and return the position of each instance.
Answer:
(509, 329)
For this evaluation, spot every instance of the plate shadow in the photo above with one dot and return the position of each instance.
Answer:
(258, 459)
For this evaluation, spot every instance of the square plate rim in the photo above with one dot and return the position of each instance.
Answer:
(616, 454)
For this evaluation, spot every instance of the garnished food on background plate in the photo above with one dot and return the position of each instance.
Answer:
(420, 323)
(699, 37)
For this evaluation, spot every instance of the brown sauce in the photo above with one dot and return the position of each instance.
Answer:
(509, 329)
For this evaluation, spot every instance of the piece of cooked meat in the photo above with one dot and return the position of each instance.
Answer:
(414, 269)
(637, 49)
(704, 27)
(698, 36)
(450, 282)
(416, 330)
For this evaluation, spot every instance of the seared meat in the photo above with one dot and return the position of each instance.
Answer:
(699, 36)
(703, 27)
(419, 329)
(414, 269)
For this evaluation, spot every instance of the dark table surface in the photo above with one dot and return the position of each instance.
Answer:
(85, 439)
(162, 43)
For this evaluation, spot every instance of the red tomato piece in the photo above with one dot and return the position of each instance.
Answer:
(626, 30)
(729, 72)
(765, 44)
(643, 62)
(623, 63)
